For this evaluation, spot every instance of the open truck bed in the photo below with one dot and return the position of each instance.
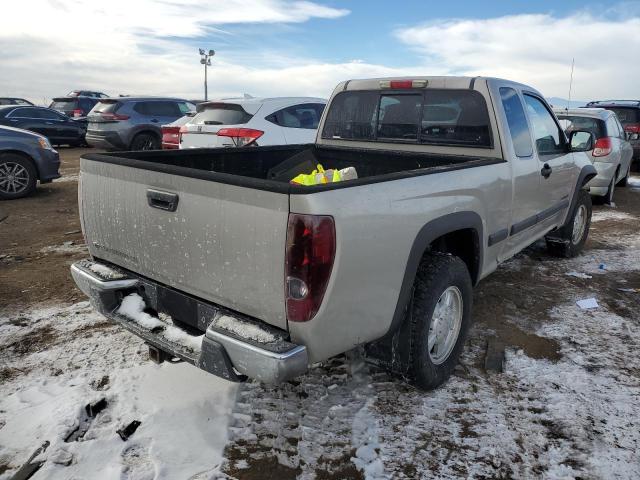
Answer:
(272, 168)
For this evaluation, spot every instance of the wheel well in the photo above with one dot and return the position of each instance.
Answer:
(141, 132)
(24, 155)
(464, 244)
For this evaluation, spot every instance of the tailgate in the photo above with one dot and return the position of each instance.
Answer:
(223, 243)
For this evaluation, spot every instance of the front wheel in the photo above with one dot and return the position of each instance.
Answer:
(17, 176)
(440, 318)
(568, 241)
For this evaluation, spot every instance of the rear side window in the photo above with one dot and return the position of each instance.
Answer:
(627, 115)
(222, 114)
(571, 123)
(185, 107)
(25, 113)
(547, 134)
(106, 107)
(158, 109)
(434, 117)
(50, 115)
(305, 115)
(63, 105)
(517, 122)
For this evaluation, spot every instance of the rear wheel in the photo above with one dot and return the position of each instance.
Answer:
(17, 176)
(568, 241)
(440, 318)
(145, 141)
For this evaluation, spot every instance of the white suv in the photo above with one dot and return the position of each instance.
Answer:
(253, 121)
(611, 153)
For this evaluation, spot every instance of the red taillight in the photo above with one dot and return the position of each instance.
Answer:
(311, 248)
(602, 147)
(241, 136)
(77, 112)
(170, 137)
(632, 127)
(113, 116)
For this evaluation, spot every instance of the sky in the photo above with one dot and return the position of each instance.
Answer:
(285, 47)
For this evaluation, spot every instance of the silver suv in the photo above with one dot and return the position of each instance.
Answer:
(611, 154)
(133, 123)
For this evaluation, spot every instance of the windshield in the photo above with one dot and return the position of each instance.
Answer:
(222, 114)
(572, 123)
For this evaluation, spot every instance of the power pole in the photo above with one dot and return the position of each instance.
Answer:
(205, 60)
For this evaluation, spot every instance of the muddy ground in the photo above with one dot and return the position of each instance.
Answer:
(565, 407)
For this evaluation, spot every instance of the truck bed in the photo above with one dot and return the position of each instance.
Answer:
(272, 168)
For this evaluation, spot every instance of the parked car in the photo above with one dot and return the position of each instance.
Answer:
(57, 127)
(25, 158)
(87, 93)
(171, 132)
(611, 153)
(75, 107)
(133, 123)
(628, 113)
(253, 121)
(14, 101)
(263, 277)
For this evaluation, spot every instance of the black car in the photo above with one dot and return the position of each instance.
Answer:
(57, 127)
(75, 107)
(628, 112)
(86, 93)
(25, 158)
(14, 101)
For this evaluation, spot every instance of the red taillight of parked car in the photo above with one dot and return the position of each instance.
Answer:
(170, 137)
(241, 136)
(77, 113)
(602, 147)
(310, 251)
(632, 127)
(113, 116)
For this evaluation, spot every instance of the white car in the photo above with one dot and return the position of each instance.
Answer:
(611, 153)
(253, 121)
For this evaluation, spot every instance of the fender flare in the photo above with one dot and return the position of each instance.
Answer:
(586, 173)
(428, 233)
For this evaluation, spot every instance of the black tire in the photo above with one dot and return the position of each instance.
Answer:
(562, 243)
(18, 176)
(145, 141)
(437, 273)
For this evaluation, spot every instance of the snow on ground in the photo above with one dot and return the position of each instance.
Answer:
(66, 247)
(58, 360)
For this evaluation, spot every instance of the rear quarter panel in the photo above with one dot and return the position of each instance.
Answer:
(376, 226)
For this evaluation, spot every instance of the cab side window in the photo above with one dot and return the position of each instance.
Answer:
(548, 137)
(517, 122)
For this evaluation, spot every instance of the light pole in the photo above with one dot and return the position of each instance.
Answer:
(205, 59)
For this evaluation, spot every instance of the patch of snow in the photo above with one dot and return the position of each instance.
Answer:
(367, 444)
(610, 214)
(244, 329)
(133, 306)
(184, 411)
(65, 248)
(104, 271)
(578, 275)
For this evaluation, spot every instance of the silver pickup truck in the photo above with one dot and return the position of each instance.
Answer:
(213, 256)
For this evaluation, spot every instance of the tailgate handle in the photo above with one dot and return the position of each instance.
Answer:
(162, 200)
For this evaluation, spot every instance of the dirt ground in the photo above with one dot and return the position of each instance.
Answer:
(35, 252)
(566, 406)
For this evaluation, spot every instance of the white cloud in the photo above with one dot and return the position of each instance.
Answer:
(537, 50)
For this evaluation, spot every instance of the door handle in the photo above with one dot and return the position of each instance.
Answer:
(546, 170)
(162, 200)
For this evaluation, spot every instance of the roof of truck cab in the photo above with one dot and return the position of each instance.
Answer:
(453, 82)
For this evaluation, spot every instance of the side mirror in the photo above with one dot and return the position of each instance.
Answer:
(581, 141)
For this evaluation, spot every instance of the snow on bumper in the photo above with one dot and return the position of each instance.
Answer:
(222, 350)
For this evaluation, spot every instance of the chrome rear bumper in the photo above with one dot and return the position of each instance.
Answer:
(223, 353)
